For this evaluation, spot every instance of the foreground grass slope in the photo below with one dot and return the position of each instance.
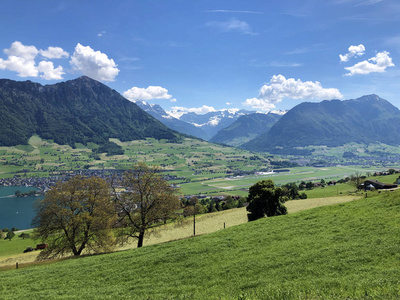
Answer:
(349, 250)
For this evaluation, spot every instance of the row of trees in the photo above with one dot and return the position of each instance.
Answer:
(82, 214)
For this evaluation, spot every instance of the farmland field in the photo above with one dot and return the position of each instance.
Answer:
(197, 167)
(344, 251)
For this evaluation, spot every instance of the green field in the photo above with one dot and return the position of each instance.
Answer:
(11, 252)
(344, 251)
(200, 167)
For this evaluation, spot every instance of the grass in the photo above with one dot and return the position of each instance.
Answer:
(345, 251)
(11, 252)
(15, 246)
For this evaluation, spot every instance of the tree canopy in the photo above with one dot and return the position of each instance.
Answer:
(146, 200)
(75, 215)
(265, 200)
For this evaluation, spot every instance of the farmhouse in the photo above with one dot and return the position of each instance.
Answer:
(368, 184)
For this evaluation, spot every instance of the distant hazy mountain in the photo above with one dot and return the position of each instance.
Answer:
(333, 123)
(76, 111)
(181, 126)
(246, 128)
(213, 122)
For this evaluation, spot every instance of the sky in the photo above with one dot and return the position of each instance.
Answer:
(201, 56)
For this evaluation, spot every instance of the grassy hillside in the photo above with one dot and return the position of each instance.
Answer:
(349, 250)
(11, 252)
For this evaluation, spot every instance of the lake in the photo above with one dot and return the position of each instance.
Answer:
(16, 212)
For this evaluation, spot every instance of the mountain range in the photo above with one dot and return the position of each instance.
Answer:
(368, 119)
(84, 110)
(245, 128)
(76, 111)
(203, 126)
(160, 114)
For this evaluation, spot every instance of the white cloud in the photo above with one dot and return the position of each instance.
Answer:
(264, 105)
(279, 87)
(100, 34)
(228, 103)
(54, 52)
(21, 59)
(151, 92)
(178, 111)
(20, 50)
(232, 25)
(49, 72)
(94, 64)
(378, 63)
(173, 100)
(202, 110)
(234, 11)
(368, 2)
(354, 51)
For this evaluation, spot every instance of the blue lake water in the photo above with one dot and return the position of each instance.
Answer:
(16, 212)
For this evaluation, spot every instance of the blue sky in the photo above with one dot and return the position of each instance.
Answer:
(209, 55)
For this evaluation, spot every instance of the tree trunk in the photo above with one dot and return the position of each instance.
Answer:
(140, 239)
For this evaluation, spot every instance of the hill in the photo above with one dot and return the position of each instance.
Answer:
(345, 251)
(76, 111)
(333, 123)
(245, 128)
(178, 125)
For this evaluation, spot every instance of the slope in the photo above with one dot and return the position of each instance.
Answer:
(338, 252)
(76, 111)
(333, 123)
(246, 128)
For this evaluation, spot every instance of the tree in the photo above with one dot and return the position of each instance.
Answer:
(146, 199)
(265, 200)
(75, 215)
(10, 235)
(24, 235)
(356, 179)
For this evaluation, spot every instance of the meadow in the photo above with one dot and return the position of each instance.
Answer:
(11, 251)
(343, 251)
(198, 167)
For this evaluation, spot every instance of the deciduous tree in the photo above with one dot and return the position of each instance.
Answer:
(265, 200)
(146, 200)
(356, 179)
(75, 215)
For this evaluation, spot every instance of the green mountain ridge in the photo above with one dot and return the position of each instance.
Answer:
(367, 119)
(76, 111)
(246, 128)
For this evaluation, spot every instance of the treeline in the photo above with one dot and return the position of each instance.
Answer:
(210, 205)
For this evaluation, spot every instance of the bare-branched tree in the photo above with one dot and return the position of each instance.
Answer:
(144, 200)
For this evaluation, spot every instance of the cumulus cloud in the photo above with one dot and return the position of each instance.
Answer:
(232, 25)
(94, 64)
(378, 63)
(21, 59)
(54, 52)
(178, 111)
(49, 72)
(151, 92)
(354, 51)
(173, 100)
(279, 87)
